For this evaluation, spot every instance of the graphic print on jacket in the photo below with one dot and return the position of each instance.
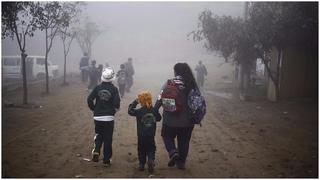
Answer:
(148, 120)
(104, 95)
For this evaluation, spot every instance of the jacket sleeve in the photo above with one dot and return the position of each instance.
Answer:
(91, 98)
(158, 103)
(116, 99)
(157, 115)
(132, 108)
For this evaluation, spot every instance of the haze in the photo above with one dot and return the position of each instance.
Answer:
(154, 34)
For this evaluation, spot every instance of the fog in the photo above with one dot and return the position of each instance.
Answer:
(154, 34)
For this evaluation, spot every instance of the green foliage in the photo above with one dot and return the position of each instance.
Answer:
(283, 24)
(17, 20)
(269, 24)
(226, 35)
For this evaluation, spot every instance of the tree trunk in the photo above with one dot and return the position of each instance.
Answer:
(244, 77)
(241, 86)
(274, 78)
(47, 74)
(24, 78)
(277, 85)
(65, 69)
(46, 64)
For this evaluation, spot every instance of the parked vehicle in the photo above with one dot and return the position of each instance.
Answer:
(35, 67)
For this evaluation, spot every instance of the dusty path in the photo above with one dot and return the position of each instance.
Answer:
(237, 139)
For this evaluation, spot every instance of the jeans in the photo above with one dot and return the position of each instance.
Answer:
(146, 148)
(183, 135)
(104, 133)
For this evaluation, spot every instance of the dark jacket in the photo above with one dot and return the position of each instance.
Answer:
(201, 71)
(124, 73)
(129, 68)
(139, 113)
(84, 61)
(94, 73)
(106, 98)
(181, 119)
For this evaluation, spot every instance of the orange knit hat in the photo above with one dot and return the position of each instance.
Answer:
(145, 98)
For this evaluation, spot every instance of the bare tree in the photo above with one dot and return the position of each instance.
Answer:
(66, 33)
(18, 22)
(50, 18)
(87, 33)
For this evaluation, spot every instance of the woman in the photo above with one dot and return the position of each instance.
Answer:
(176, 121)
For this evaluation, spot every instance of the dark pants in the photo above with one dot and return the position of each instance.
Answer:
(93, 83)
(129, 83)
(146, 148)
(183, 135)
(121, 89)
(104, 133)
(84, 75)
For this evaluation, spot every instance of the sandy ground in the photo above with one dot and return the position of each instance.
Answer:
(237, 139)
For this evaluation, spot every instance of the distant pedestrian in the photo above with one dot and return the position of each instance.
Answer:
(104, 101)
(84, 67)
(177, 123)
(201, 73)
(93, 75)
(130, 71)
(146, 117)
(122, 76)
(100, 69)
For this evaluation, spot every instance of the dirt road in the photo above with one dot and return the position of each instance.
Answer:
(237, 139)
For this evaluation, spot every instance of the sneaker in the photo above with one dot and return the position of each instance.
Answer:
(107, 163)
(173, 159)
(141, 167)
(181, 166)
(95, 157)
(150, 166)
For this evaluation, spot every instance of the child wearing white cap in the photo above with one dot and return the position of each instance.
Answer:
(104, 101)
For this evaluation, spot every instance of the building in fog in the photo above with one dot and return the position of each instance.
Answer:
(298, 74)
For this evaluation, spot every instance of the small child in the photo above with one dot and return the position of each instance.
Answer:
(146, 128)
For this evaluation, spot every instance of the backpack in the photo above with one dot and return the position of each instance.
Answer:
(122, 77)
(171, 101)
(197, 106)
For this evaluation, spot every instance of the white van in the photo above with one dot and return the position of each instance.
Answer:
(35, 67)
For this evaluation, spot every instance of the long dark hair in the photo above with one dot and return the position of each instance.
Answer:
(183, 70)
